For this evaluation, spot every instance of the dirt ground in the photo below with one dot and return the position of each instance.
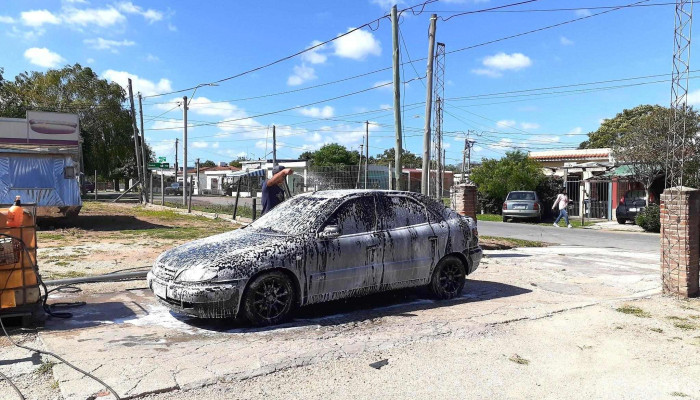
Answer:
(534, 322)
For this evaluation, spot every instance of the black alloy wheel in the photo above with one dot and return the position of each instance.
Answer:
(448, 278)
(269, 299)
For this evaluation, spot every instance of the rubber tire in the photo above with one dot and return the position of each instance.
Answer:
(505, 219)
(249, 297)
(435, 288)
(621, 221)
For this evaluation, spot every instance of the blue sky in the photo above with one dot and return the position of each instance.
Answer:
(170, 45)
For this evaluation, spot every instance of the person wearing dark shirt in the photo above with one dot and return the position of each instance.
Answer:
(273, 188)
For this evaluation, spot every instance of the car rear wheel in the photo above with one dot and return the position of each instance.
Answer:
(448, 278)
(505, 219)
(621, 221)
(269, 299)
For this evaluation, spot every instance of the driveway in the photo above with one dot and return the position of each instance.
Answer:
(637, 242)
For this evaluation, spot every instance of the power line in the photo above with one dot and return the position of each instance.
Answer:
(554, 9)
(488, 9)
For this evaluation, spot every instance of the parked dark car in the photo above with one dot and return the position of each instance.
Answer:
(318, 247)
(175, 189)
(631, 204)
(87, 187)
(522, 205)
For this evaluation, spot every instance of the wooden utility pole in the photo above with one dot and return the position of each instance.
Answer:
(197, 162)
(144, 156)
(177, 141)
(274, 146)
(136, 138)
(184, 151)
(425, 176)
(366, 151)
(397, 97)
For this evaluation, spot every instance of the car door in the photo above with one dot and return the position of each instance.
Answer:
(409, 241)
(348, 262)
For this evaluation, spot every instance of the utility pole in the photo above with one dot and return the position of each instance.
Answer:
(274, 146)
(439, 95)
(176, 169)
(359, 170)
(184, 152)
(425, 176)
(397, 97)
(144, 157)
(464, 158)
(136, 137)
(197, 177)
(366, 151)
(438, 148)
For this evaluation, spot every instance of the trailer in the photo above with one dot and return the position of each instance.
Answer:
(40, 161)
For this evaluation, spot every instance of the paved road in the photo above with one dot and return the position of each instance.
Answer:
(639, 242)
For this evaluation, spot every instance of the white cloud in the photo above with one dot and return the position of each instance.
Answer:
(384, 85)
(150, 15)
(315, 112)
(144, 86)
(575, 132)
(584, 12)
(313, 56)
(506, 123)
(43, 57)
(37, 18)
(565, 41)
(503, 61)
(29, 35)
(302, 74)
(6, 20)
(204, 106)
(90, 60)
(693, 98)
(200, 145)
(357, 45)
(102, 17)
(387, 4)
(107, 44)
(503, 144)
(529, 125)
(542, 139)
(385, 106)
(171, 27)
(487, 72)
(151, 58)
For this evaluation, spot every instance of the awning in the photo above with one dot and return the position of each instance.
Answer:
(255, 172)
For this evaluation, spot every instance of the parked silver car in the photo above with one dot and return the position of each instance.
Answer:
(522, 205)
(318, 247)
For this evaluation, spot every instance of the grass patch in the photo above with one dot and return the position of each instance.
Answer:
(576, 223)
(221, 209)
(674, 318)
(45, 367)
(657, 330)
(67, 274)
(686, 326)
(489, 217)
(633, 310)
(503, 243)
(54, 385)
(679, 394)
(519, 360)
(179, 233)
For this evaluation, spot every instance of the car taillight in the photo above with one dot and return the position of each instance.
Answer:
(505, 206)
(537, 206)
(622, 200)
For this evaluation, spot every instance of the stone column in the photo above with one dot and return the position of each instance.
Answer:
(464, 200)
(680, 241)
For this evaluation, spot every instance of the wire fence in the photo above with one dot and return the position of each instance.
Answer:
(342, 177)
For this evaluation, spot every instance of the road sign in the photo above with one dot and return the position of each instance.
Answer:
(156, 165)
(161, 159)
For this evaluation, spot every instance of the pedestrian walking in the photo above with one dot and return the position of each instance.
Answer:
(272, 189)
(563, 202)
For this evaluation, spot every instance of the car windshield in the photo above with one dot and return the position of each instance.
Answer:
(521, 196)
(635, 195)
(292, 217)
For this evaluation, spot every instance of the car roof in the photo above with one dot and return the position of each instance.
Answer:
(341, 193)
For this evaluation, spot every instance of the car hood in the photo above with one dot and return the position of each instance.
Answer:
(235, 255)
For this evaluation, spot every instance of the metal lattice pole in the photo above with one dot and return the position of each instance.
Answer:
(677, 141)
(439, 96)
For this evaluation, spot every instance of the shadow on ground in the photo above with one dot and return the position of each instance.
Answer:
(100, 223)
(393, 303)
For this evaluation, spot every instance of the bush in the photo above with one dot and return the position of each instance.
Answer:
(650, 218)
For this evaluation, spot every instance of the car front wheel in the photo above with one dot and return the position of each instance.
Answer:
(448, 278)
(621, 221)
(269, 299)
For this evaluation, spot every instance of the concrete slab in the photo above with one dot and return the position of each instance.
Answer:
(139, 347)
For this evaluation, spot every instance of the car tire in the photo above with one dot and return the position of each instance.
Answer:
(505, 219)
(269, 299)
(448, 278)
(621, 221)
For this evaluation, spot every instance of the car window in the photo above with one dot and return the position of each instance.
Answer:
(354, 216)
(398, 212)
(521, 196)
(635, 194)
(295, 216)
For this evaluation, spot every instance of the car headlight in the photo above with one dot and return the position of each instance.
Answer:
(196, 275)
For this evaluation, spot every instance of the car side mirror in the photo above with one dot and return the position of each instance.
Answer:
(329, 232)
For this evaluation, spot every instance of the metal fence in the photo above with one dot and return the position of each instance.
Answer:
(341, 177)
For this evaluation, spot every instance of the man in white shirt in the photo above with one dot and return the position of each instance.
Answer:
(563, 202)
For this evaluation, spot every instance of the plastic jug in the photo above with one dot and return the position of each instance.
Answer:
(15, 215)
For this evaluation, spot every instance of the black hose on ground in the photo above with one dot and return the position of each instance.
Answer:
(19, 394)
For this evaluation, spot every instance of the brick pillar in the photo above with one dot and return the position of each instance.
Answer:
(680, 241)
(465, 199)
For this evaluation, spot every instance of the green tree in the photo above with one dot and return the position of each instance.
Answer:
(408, 159)
(515, 171)
(331, 154)
(105, 124)
(612, 130)
(237, 162)
(208, 164)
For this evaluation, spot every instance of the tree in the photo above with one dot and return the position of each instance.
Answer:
(408, 159)
(331, 154)
(612, 130)
(105, 125)
(237, 162)
(515, 171)
(208, 164)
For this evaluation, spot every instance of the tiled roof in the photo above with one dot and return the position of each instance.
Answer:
(568, 156)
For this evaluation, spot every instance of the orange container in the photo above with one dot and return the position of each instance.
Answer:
(18, 278)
